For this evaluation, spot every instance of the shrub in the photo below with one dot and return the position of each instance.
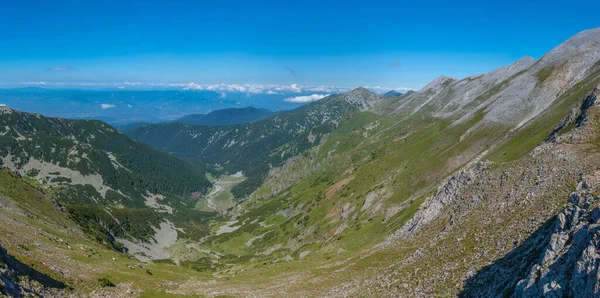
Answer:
(105, 282)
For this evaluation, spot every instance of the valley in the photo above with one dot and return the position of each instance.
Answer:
(485, 186)
(220, 198)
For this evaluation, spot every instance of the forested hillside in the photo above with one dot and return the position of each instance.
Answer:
(112, 185)
(254, 148)
(226, 117)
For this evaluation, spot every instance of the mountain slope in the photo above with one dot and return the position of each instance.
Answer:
(112, 185)
(509, 95)
(91, 148)
(477, 235)
(418, 171)
(254, 148)
(441, 192)
(226, 117)
(43, 252)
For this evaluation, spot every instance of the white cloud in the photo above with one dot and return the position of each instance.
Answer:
(291, 88)
(256, 88)
(193, 86)
(307, 98)
(129, 106)
(34, 83)
(3, 105)
(223, 95)
(106, 106)
(270, 89)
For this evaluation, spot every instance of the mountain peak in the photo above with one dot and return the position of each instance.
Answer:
(585, 36)
(359, 90)
(227, 116)
(362, 98)
(582, 47)
(5, 109)
(438, 82)
(525, 60)
(392, 93)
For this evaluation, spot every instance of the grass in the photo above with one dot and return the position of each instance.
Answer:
(531, 134)
(105, 282)
(407, 169)
(220, 194)
(545, 73)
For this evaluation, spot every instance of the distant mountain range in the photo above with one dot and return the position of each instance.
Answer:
(392, 93)
(123, 107)
(216, 118)
(226, 117)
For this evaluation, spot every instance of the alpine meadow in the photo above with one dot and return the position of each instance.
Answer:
(238, 149)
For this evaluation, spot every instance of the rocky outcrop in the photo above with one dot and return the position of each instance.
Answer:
(8, 285)
(445, 195)
(36, 283)
(577, 115)
(568, 266)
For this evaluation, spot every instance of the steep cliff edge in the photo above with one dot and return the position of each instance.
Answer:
(568, 265)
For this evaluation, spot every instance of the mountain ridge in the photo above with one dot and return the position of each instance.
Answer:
(257, 146)
(228, 116)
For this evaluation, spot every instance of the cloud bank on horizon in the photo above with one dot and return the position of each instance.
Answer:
(126, 102)
(269, 89)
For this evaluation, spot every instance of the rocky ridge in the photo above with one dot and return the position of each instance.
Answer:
(445, 195)
(510, 95)
(568, 266)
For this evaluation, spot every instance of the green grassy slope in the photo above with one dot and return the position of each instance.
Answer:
(49, 255)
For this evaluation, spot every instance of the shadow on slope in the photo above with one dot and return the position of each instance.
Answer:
(500, 278)
(14, 273)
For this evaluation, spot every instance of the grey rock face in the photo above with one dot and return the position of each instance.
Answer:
(529, 93)
(510, 95)
(448, 97)
(568, 266)
(577, 116)
(445, 195)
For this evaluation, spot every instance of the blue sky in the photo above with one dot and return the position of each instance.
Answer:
(339, 43)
